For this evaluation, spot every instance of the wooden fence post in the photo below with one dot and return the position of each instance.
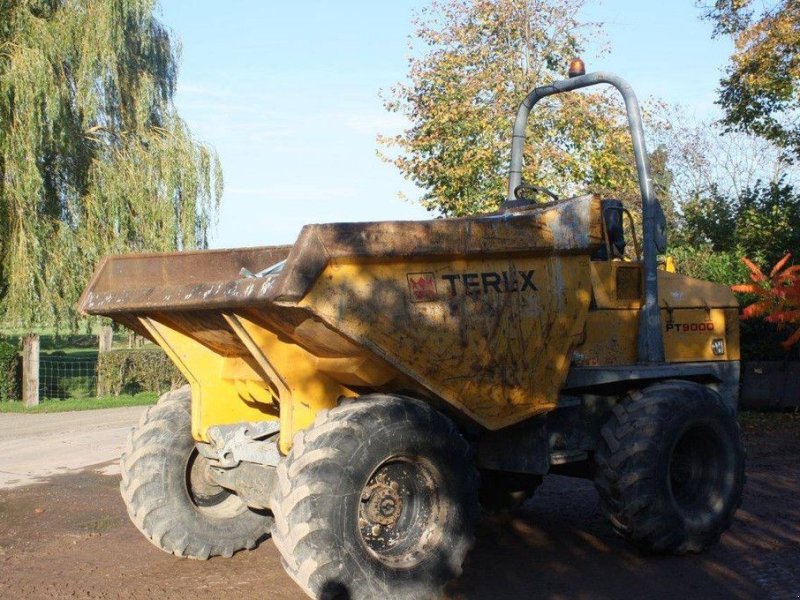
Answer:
(30, 370)
(106, 338)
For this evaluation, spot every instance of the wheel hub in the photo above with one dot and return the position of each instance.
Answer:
(400, 511)
(206, 495)
(200, 479)
(384, 504)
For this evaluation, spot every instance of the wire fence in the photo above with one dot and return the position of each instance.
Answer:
(76, 367)
(62, 377)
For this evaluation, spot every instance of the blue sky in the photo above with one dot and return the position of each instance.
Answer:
(287, 93)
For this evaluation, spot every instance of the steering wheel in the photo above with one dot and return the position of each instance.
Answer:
(519, 192)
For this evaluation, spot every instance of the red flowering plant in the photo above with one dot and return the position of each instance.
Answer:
(778, 295)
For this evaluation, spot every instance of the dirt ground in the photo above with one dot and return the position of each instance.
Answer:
(70, 537)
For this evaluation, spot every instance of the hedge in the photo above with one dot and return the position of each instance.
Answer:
(9, 365)
(761, 340)
(136, 370)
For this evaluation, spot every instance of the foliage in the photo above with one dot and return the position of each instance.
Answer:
(768, 218)
(479, 60)
(760, 92)
(761, 222)
(703, 262)
(716, 230)
(132, 371)
(93, 155)
(709, 220)
(9, 364)
(778, 295)
(762, 340)
(50, 406)
(76, 387)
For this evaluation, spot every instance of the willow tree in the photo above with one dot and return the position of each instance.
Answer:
(473, 63)
(93, 155)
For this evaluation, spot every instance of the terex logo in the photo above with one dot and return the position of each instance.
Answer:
(480, 283)
(422, 287)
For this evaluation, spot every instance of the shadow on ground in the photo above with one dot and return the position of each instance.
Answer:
(70, 537)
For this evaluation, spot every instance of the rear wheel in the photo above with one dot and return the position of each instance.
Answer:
(376, 499)
(671, 467)
(169, 494)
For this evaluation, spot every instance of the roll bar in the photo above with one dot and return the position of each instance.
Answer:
(650, 342)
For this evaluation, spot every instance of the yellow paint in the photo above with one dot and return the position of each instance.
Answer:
(689, 333)
(609, 339)
(674, 290)
(498, 356)
(669, 264)
(611, 336)
(693, 314)
(308, 390)
(215, 400)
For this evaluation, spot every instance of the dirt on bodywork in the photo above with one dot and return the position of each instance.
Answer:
(71, 538)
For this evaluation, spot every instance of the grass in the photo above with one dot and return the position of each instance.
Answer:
(73, 345)
(50, 406)
(49, 341)
(75, 353)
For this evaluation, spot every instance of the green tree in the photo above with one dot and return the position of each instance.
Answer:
(760, 92)
(708, 220)
(715, 231)
(479, 58)
(703, 262)
(93, 155)
(767, 222)
(713, 173)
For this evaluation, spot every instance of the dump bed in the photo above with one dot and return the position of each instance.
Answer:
(480, 312)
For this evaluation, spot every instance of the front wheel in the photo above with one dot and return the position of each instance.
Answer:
(670, 467)
(169, 494)
(376, 499)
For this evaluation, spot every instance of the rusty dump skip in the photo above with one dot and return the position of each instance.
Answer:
(124, 286)
(480, 312)
(212, 279)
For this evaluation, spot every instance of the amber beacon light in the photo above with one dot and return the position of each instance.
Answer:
(576, 67)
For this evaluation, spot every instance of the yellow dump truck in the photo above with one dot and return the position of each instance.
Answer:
(359, 394)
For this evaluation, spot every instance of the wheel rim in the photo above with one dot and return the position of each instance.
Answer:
(400, 513)
(207, 496)
(699, 473)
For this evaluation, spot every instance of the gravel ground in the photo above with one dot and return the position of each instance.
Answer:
(33, 447)
(69, 537)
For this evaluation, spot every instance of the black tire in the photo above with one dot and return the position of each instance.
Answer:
(670, 467)
(167, 498)
(376, 500)
(502, 491)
